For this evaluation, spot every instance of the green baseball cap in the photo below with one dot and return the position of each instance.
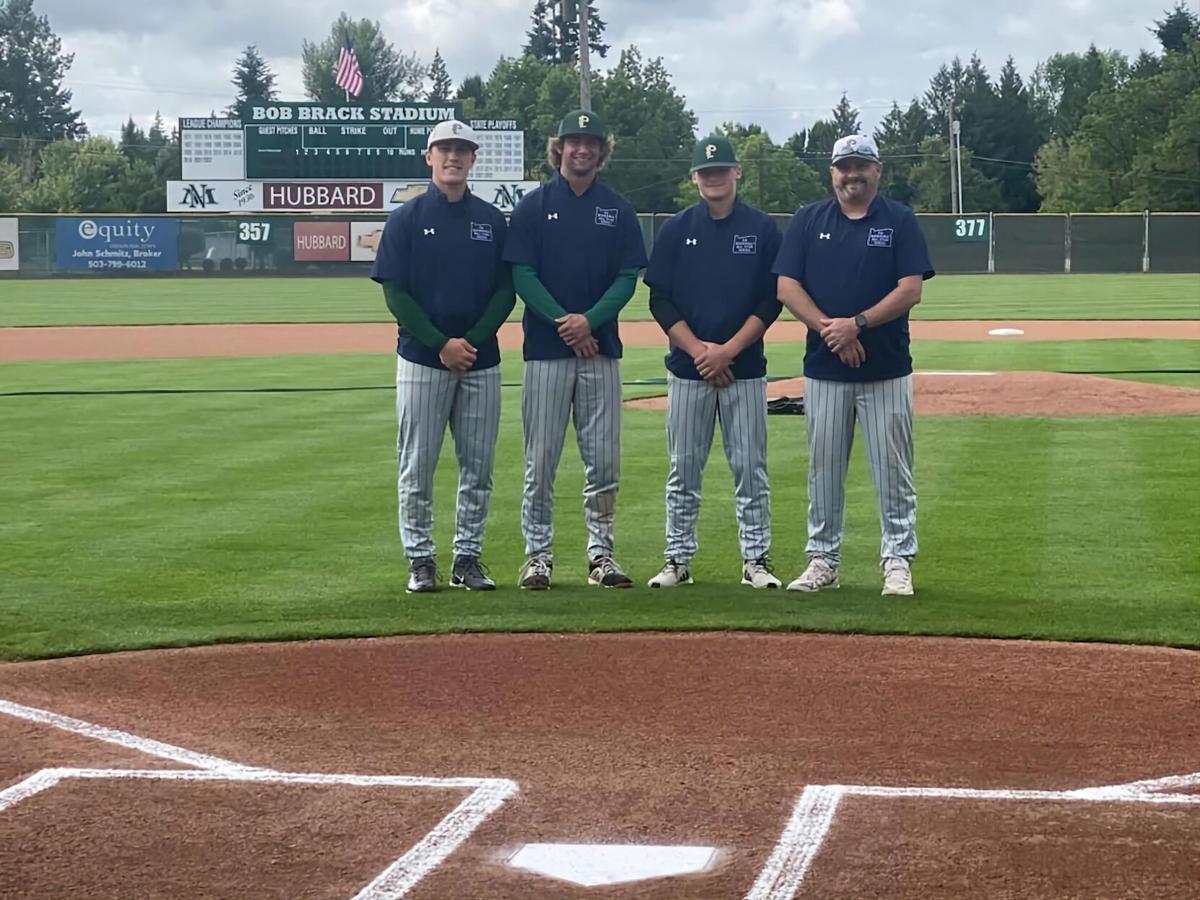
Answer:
(714, 152)
(581, 121)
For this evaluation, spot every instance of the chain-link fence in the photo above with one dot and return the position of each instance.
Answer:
(344, 244)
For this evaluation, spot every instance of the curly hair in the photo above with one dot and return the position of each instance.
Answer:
(554, 148)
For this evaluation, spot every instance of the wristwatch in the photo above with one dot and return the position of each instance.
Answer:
(861, 321)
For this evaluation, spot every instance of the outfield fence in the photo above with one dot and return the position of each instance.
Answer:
(141, 245)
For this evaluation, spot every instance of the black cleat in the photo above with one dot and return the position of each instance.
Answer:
(422, 575)
(471, 574)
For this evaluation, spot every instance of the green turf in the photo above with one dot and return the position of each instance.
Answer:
(180, 300)
(1147, 360)
(152, 520)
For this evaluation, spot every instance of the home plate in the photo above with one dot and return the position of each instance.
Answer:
(592, 865)
(1005, 332)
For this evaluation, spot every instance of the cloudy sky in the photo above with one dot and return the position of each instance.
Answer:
(781, 63)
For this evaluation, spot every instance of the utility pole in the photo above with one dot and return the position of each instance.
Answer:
(950, 153)
(585, 72)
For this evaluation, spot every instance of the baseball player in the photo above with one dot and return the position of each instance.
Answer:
(851, 268)
(440, 265)
(576, 249)
(713, 293)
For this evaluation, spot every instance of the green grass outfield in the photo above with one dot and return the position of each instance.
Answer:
(143, 519)
(318, 299)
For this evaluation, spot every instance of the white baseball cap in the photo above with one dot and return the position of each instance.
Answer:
(858, 145)
(452, 130)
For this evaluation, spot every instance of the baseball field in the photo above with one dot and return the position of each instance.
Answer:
(221, 498)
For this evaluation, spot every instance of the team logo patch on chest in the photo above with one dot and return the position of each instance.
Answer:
(481, 231)
(879, 237)
(606, 217)
(745, 243)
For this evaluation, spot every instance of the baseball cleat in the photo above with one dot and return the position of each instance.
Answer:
(536, 574)
(757, 573)
(672, 575)
(897, 577)
(422, 575)
(820, 575)
(604, 572)
(470, 573)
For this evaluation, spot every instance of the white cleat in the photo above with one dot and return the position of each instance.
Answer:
(672, 575)
(819, 575)
(757, 573)
(897, 577)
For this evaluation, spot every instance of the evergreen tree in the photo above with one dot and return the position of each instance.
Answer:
(33, 103)
(1179, 24)
(133, 139)
(1147, 65)
(441, 87)
(254, 81)
(541, 42)
(845, 118)
(553, 34)
(471, 93)
(899, 137)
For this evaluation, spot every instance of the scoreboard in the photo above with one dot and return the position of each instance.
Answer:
(297, 141)
(335, 151)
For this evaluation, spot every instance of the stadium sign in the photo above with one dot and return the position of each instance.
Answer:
(313, 112)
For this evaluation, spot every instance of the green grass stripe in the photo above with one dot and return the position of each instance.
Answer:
(1154, 359)
(138, 521)
(198, 300)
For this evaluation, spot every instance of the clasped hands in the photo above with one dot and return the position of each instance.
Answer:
(457, 354)
(841, 337)
(576, 332)
(714, 363)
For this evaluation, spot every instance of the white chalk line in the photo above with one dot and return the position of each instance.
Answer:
(487, 794)
(801, 840)
(409, 870)
(812, 818)
(34, 784)
(120, 738)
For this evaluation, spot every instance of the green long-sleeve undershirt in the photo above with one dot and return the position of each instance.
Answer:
(498, 307)
(413, 319)
(607, 308)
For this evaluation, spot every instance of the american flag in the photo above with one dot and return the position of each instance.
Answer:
(349, 76)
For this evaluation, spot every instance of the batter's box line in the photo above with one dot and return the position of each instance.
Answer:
(487, 794)
(812, 818)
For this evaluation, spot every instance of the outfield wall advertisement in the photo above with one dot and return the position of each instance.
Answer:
(10, 246)
(83, 244)
(322, 196)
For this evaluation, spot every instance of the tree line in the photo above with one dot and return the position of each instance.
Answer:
(1086, 131)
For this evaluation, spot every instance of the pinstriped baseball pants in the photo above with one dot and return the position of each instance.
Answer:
(554, 390)
(693, 408)
(426, 400)
(885, 410)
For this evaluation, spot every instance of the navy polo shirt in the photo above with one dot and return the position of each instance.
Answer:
(577, 245)
(447, 256)
(849, 265)
(718, 271)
